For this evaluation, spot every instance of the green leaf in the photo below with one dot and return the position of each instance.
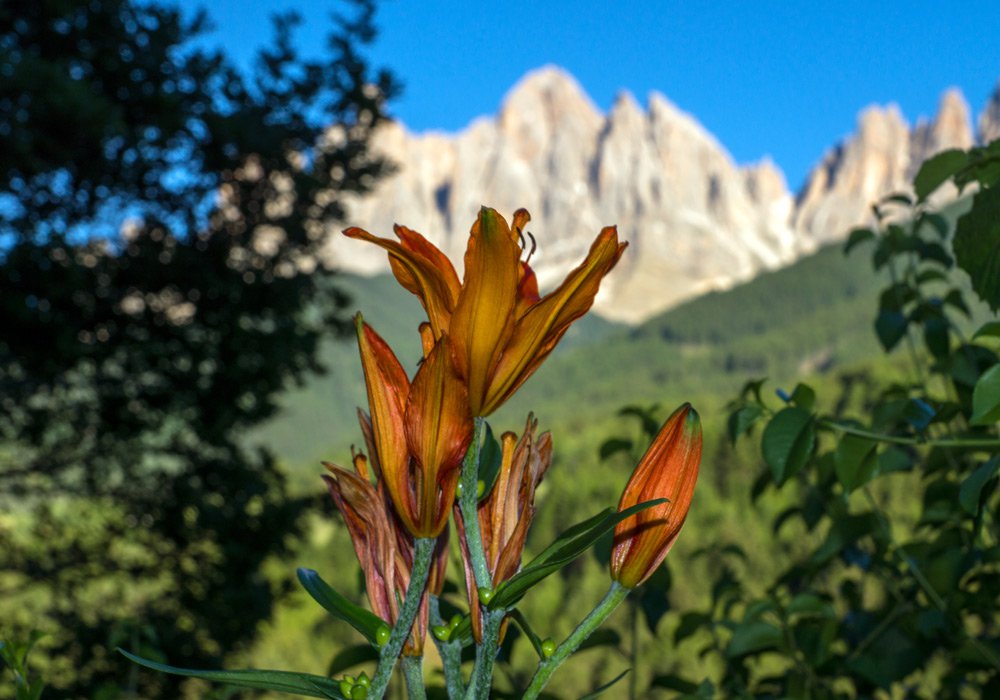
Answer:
(937, 169)
(937, 222)
(986, 398)
(490, 458)
(991, 330)
(613, 446)
(857, 237)
(568, 546)
(351, 657)
(971, 489)
(364, 621)
(787, 442)
(890, 327)
(810, 604)
(606, 685)
(752, 637)
(742, 419)
(855, 461)
(646, 416)
(804, 397)
(672, 682)
(284, 681)
(977, 245)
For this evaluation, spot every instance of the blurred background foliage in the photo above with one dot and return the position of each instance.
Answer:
(162, 416)
(159, 214)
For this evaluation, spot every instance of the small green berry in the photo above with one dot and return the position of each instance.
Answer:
(345, 688)
(364, 680)
(455, 621)
(441, 632)
(458, 489)
(485, 595)
(382, 635)
(480, 488)
(359, 692)
(548, 648)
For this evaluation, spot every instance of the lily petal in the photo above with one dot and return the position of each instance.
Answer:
(388, 389)
(438, 432)
(484, 315)
(537, 332)
(422, 269)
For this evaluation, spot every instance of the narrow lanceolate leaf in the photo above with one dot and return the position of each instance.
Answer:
(788, 442)
(936, 170)
(285, 681)
(607, 685)
(986, 398)
(567, 547)
(364, 621)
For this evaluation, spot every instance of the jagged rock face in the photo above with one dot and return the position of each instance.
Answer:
(880, 158)
(695, 221)
(989, 119)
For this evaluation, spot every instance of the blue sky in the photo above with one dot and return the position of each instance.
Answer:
(784, 79)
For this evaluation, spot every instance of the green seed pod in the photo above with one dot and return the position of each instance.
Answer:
(441, 633)
(548, 648)
(382, 635)
(485, 595)
(455, 621)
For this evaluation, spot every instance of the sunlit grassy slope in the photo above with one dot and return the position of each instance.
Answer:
(810, 317)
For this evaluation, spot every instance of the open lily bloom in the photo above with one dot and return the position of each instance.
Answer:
(419, 432)
(669, 469)
(507, 511)
(500, 327)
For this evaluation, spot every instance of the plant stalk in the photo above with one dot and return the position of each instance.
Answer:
(614, 597)
(984, 443)
(468, 504)
(451, 655)
(486, 654)
(423, 553)
(413, 672)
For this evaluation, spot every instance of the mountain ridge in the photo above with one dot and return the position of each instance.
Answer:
(696, 220)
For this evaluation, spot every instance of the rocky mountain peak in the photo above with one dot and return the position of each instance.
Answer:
(695, 220)
(989, 119)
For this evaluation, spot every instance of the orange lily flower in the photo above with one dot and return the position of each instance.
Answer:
(506, 513)
(501, 329)
(419, 432)
(669, 469)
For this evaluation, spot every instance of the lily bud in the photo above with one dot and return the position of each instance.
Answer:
(669, 469)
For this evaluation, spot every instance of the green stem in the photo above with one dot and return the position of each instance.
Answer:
(451, 655)
(423, 552)
(486, 654)
(615, 595)
(413, 672)
(468, 504)
(985, 443)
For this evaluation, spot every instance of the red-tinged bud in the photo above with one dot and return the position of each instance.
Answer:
(669, 469)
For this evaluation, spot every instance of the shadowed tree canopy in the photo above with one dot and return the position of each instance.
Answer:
(160, 217)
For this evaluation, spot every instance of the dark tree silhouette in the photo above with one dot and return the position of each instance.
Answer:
(160, 217)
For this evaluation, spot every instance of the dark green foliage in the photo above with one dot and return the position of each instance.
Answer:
(160, 214)
(894, 587)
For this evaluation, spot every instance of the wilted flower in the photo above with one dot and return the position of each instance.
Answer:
(419, 432)
(669, 469)
(507, 511)
(501, 329)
